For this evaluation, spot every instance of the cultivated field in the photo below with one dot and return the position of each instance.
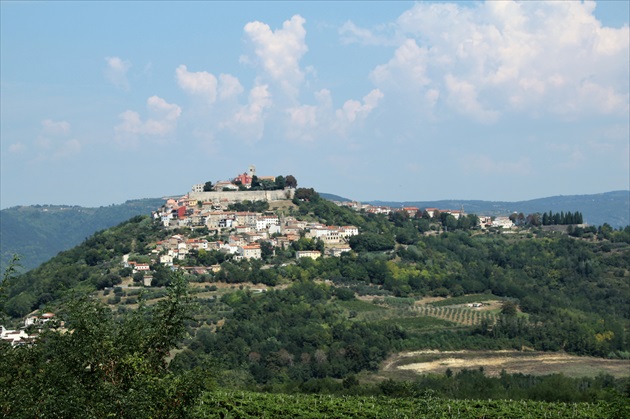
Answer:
(493, 362)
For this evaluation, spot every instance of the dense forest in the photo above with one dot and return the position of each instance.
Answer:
(322, 326)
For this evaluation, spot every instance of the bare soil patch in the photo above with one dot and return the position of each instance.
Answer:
(493, 362)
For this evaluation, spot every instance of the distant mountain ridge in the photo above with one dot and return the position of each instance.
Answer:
(609, 207)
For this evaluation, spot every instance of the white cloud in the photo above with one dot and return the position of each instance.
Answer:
(407, 68)
(353, 109)
(350, 33)
(248, 122)
(505, 56)
(307, 122)
(161, 122)
(279, 52)
(116, 72)
(229, 87)
(463, 96)
(199, 83)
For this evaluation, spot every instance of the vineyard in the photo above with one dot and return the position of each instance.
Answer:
(221, 404)
(405, 308)
(459, 315)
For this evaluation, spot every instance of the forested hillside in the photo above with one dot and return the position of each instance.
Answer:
(327, 325)
(39, 232)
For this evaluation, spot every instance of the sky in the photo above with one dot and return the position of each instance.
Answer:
(101, 102)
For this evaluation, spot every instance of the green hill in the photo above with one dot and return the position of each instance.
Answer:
(328, 326)
(39, 232)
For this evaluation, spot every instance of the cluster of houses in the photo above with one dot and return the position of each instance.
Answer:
(24, 335)
(246, 231)
(484, 221)
(242, 233)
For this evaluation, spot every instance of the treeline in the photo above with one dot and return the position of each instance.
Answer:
(562, 218)
(249, 206)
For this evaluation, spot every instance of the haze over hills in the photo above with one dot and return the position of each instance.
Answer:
(39, 232)
(609, 207)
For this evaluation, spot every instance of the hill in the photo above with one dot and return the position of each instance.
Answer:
(327, 325)
(39, 232)
(612, 208)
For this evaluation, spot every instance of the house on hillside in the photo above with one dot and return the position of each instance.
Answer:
(250, 251)
(502, 222)
(313, 254)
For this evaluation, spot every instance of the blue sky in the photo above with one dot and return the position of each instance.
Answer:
(107, 101)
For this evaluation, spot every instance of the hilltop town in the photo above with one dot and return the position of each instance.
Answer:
(250, 215)
(211, 209)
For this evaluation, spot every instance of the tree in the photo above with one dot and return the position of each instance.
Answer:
(255, 183)
(304, 194)
(103, 366)
(280, 182)
(291, 182)
(509, 308)
(266, 249)
(207, 187)
(8, 277)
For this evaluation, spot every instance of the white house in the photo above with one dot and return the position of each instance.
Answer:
(313, 254)
(502, 222)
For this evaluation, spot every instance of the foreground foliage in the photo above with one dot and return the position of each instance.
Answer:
(98, 365)
(260, 405)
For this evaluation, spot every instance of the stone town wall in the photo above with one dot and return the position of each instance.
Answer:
(240, 196)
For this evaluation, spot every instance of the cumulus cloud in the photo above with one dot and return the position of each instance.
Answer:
(229, 87)
(463, 96)
(207, 86)
(485, 59)
(306, 122)
(116, 72)
(162, 120)
(407, 68)
(199, 83)
(353, 109)
(248, 121)
(279, 52)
